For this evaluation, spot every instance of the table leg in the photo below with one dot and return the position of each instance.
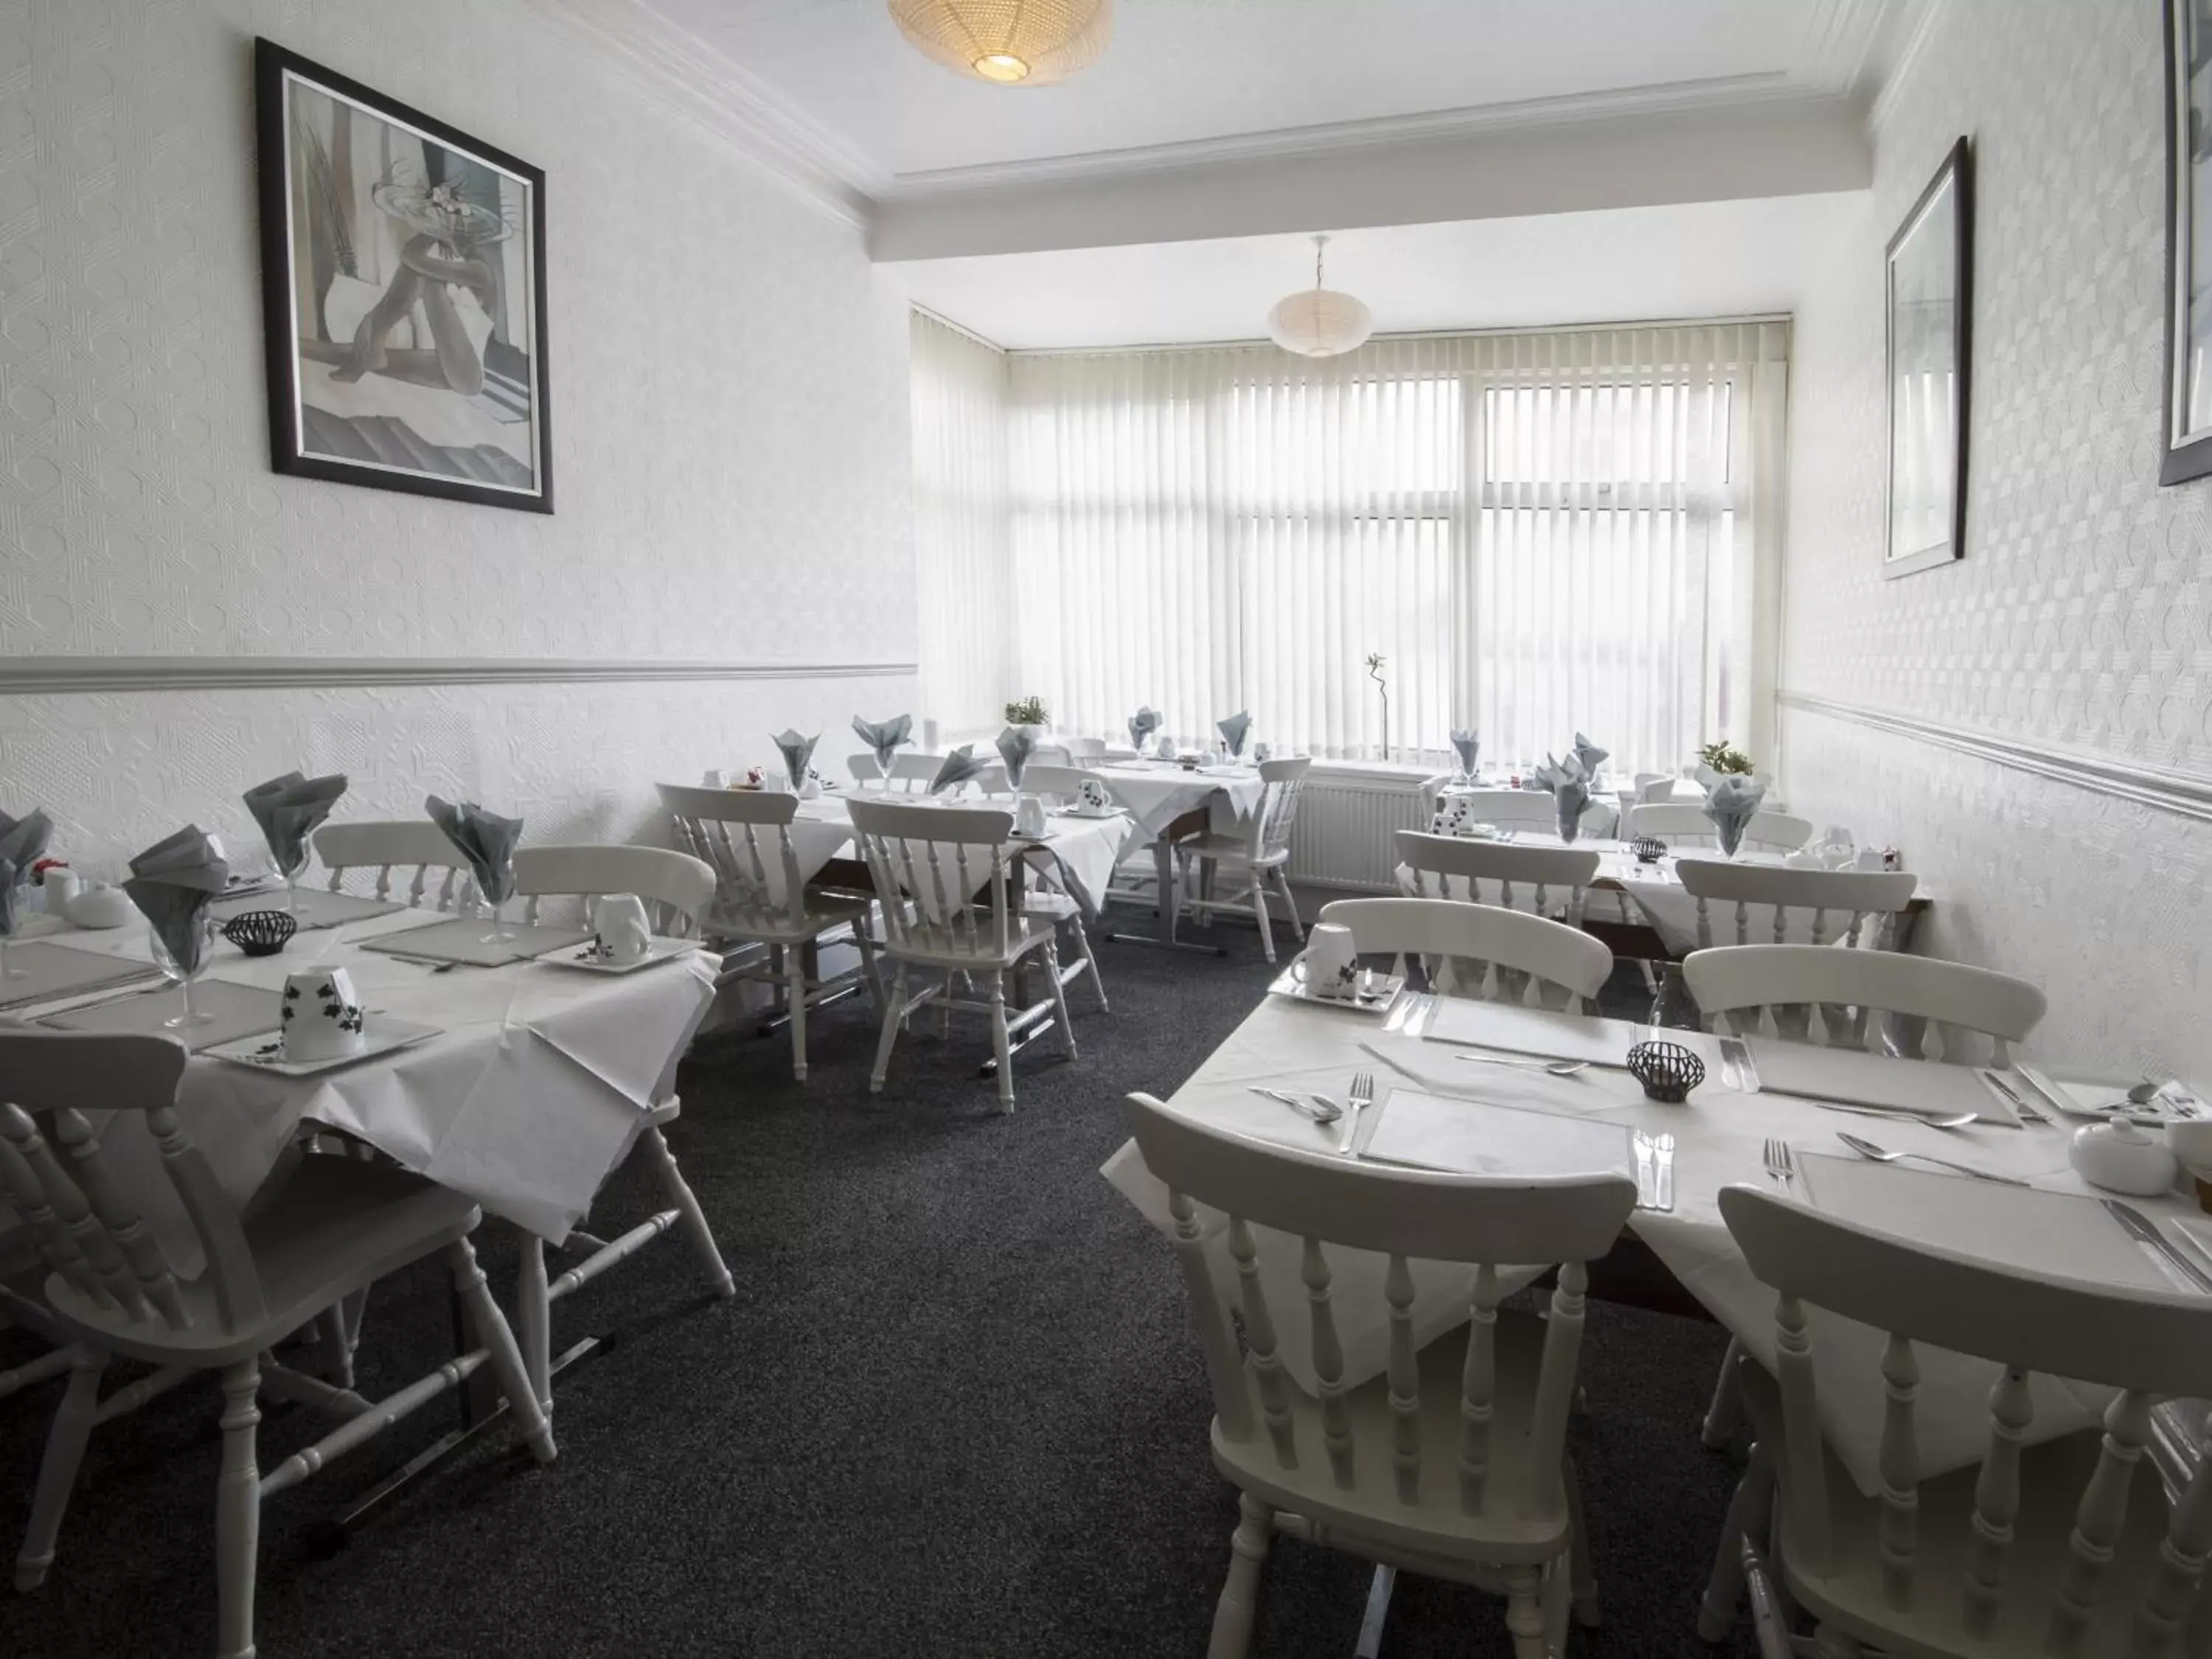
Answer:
(1170, 904)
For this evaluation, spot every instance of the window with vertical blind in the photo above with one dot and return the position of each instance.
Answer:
(1538, 532)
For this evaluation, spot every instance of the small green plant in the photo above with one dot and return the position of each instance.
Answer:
(1027, 711)
(1725, 759)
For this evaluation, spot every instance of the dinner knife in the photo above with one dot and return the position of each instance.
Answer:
(1995, 1080)
(2141, 1228)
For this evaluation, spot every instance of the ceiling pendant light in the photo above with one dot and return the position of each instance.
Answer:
(1024, 43)
(1318, 322)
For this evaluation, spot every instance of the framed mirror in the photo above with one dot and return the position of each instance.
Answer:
(2187, 446)
(1928, 279)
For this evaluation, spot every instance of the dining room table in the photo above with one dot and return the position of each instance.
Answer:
(1471, 1085)
(1169, 801)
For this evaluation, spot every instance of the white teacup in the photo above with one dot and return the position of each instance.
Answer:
(1165, 749)
(1028, 817)
(323, 1018)
(1870, 858)
(1329, 966)
(1091, 794)
(715, 779)
(619, 920)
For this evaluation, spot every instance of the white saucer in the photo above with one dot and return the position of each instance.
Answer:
(264, 1052)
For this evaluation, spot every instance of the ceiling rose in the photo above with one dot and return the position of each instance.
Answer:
(1318, 322)
(1014, 43)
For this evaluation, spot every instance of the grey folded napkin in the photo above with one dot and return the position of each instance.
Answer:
(289, 809)
(22, 844)
(1235, 730)
(962, 764)
(1570, 786)
(1142, 725)
(173, 883)
(885, 738)
(1467, 745)
(797, 752)
(1731, 804)
(486, 840)
(1016, 745)
(1591, 757)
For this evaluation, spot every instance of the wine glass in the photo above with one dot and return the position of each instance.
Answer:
(292, 874)
(182, 974)
(487, 905)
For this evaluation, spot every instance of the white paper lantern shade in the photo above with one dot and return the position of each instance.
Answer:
(1320, 322)
(1015, 42)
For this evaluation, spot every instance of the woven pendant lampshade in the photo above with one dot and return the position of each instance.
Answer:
(1319, 322)
(1024, 43)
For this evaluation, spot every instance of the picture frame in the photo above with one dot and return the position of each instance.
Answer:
(1928, 363)
(2185, 419)
(403, 269)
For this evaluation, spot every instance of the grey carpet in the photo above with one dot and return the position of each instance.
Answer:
(954, 1409)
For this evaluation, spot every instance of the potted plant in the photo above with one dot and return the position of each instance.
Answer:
(1727, 761)
(1027, 711)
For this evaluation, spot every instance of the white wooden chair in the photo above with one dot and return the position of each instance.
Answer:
(1085, 752)
(945, 877)
(760, 897)
(1049, 780)
(1816, 994)
(1452, 1464)
(680, 891)
(1554, 880)
(1822, 906)
(395, 845)
(335, 1226)
(864, 768)
(1682, 824)
(1052, 754)
(1052, 782)
(1481, 951)
(1525, 809)
(1257, 856)
(911, 772)
(2065, 1548)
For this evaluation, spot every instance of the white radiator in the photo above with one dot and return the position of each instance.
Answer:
(1348, 817)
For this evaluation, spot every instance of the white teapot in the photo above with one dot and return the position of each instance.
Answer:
(619, 920)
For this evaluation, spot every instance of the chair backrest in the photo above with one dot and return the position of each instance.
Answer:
(55, 1173)
(389, 845)
(1552, 879)
(1521, 809)
(1482, 951)
(864, 768)
(2147, 1344)
(1281, 783)
(1815, 898)
(744, 836)
(1043, 780)
(1684, 824)
(940, 873)
(1408, 1215)
(1085, 752)
(679, 890)
(1052, 754)
(1816, 994)
(912, 771)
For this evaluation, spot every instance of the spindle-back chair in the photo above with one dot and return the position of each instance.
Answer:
(1817, 994)
(1258, 856)
(1529, 811)
(1684, 824)
(1480, 951)
(1453, 1460)
(1546, 881)
(393, 845)
(1821, 907)
(678, 888)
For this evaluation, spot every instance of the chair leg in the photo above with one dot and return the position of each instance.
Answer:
(795, 971)
(237, 1512)
(1727, 1400)
(337, 1351)
(689, 1215)
(1059, 996)
(1289, 904)
(1260, 915)
(1091, 964)
(1524, 1612)
(533, 1319)
(891, 1021)
(490, 1329)
(65, 1440)
(1745, 1518)
(867, 950)
(1000, 1044)
(1580, 1575)
(1233, 1614)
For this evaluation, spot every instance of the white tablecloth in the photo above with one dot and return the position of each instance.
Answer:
(1157, 795)
(1083, 851)
(1719, 1135)
(531, 1095)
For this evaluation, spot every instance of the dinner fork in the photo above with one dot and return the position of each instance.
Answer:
(1781, 1162)
(1362, 1096)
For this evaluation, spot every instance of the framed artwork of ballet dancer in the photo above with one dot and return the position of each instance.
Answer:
(403, 269)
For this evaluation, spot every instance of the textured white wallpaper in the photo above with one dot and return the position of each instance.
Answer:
(730, 432)
(2078, 616)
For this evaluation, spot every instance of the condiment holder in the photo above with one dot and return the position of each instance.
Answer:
(1648, 849)
(100, 907)
(261, 933)
(2120, 1156)
(1668, 1071)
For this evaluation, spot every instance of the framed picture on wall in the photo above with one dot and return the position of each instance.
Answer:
(2186, 451)
(403, 269)
(1929, 285)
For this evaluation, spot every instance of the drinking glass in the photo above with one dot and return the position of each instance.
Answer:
(486, 908)
(179, 974)
(292, 883)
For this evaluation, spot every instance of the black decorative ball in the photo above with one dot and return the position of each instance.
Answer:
(260, 932)
(1648, 849)
(1668, 1071)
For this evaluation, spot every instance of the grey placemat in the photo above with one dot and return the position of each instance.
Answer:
(462, 939)
(317, 907)
(48, 970)
(238, 1010)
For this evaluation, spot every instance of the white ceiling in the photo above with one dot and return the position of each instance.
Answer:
(1692, 259)
(1197, 77)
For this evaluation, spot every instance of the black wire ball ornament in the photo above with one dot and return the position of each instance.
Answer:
(1648, 849)
(1668, 1071)
(261, 933)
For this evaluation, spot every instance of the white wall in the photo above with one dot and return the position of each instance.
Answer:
(2077, 618)
(730, 422)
